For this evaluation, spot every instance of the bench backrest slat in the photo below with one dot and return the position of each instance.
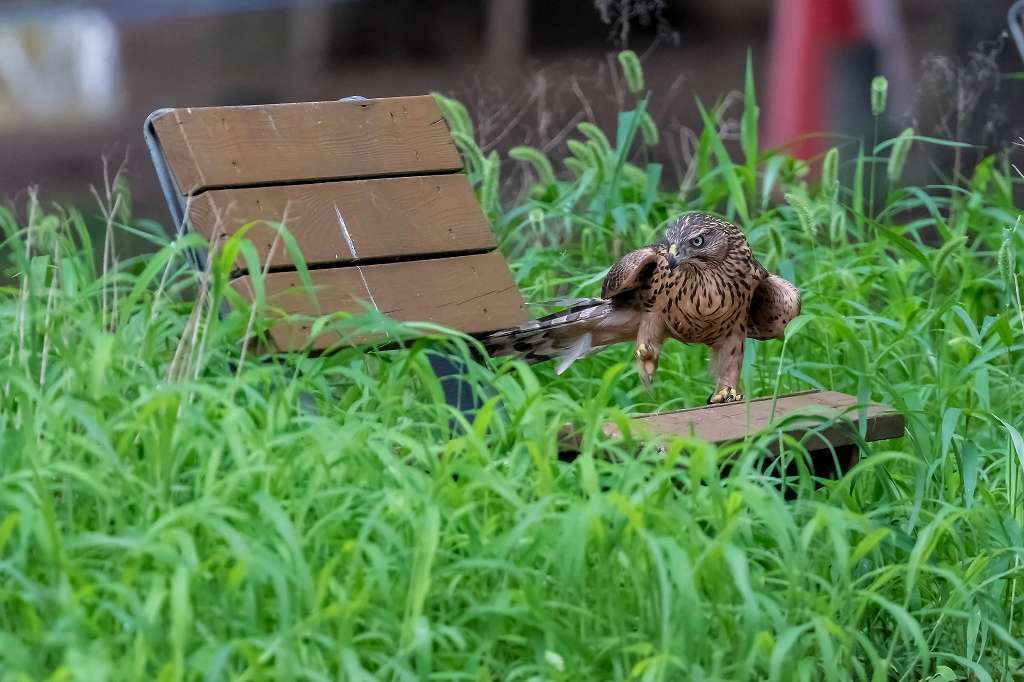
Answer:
(216, 147)
(469, 293)
(354, 220)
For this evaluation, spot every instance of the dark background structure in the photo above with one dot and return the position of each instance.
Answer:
(527, 69)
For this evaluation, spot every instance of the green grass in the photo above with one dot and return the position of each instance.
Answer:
(171, 508)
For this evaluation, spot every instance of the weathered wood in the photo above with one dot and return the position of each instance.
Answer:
(352, 220)
(469, 293)
(216, 147)
(799, 415)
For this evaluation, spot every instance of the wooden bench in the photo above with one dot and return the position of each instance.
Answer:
(374, 195)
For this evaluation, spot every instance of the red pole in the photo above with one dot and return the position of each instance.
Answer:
(804, 34)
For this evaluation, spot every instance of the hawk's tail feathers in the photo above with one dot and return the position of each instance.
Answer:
(583, 345)
(567, 334)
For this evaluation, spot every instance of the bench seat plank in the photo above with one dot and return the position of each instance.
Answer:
(731, 422)
(470, 293)
(216, 147)
(352, 220)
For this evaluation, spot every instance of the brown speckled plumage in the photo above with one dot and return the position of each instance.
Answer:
(701, 284)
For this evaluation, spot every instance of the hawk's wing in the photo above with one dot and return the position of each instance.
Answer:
(774, 304)
(630, 272)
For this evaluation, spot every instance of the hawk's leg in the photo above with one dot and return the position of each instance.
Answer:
(649, 338)
(726, 363)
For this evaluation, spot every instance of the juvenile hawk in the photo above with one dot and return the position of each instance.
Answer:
(701, 284)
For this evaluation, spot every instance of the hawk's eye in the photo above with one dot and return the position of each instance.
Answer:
(697, 242)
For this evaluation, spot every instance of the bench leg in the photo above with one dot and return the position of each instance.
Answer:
(458, 392)
(827, 465)
(824, 465)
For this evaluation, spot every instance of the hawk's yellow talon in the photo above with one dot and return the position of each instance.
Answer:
(726, 394)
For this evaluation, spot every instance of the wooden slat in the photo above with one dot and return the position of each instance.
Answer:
(352, 220)
(733, 421)
(214, 147)
(469, 293)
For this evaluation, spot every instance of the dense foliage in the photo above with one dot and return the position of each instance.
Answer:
(174, 507)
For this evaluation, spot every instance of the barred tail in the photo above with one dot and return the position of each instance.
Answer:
(586, 325)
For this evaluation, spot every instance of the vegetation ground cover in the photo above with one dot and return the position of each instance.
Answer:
(172, 507)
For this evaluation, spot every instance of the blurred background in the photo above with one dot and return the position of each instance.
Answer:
(77, 79)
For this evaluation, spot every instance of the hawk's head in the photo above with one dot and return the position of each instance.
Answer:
(700, 237)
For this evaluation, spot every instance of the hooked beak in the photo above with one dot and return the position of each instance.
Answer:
(673, 253)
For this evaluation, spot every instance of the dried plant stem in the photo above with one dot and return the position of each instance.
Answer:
(247, 337)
